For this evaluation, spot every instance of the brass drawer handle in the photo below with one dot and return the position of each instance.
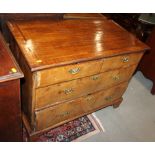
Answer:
(116, 78)
(125, 59)
(65, 113)
(74, 71)
(109, 98)
(95, 77)
(68, 91)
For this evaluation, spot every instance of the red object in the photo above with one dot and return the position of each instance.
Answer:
(10, 106)
(75, 130)
(147, 65)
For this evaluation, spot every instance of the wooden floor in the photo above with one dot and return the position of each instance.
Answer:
(134, 120)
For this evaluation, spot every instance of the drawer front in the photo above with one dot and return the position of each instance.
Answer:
(120, 61)
(58, 114)
(66, 91)
(67, 73)
(76, 88)
(105, 97)
(64, 112)
(115, 77)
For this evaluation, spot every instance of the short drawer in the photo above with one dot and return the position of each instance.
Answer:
(64, 112)
(67, 73)
(66, 91)
(120, 61)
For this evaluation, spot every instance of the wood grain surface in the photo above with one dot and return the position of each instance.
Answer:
(51, 43)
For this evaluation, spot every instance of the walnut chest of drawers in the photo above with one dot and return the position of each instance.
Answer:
(10, 103)
(71, 67)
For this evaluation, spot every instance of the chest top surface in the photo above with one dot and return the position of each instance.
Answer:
(48, 43)
(9, 69)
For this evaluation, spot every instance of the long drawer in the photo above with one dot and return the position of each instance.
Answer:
(64, 112)
(76, 88)
(65, 91)
(79, 70)
(105, 97)
(114, 77)
(67, 73)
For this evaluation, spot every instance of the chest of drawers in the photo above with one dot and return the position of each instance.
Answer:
(71, 67)
(10, 105)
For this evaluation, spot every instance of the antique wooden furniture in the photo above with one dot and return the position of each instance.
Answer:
(71, 67)
(10, 105)
(147, 64)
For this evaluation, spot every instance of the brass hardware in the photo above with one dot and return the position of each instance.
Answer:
(13, 70)
(74, 70)
(95, 77)
(116, 78)
(68, 91)
(65, 113)
(38, 61)
(125, 59)
(109, 98)
(89, 98)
